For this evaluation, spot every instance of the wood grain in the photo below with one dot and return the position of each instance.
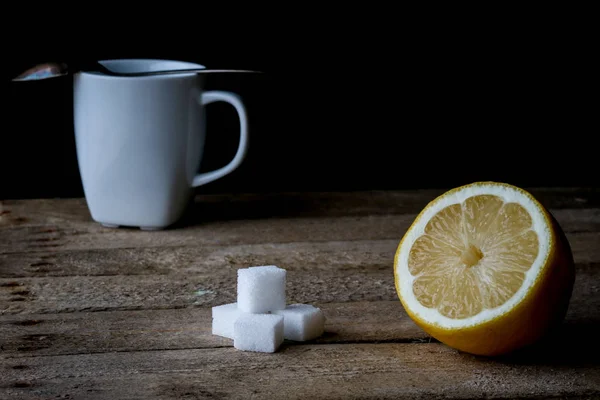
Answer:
(91, 312)
(26, 335)
(48, 239)
(349, 371)
(72, 216)
(277, 205)
(199, 259)
(52, 237)
(97, 332)
(26, 332)
(318, 282)
(214, 258)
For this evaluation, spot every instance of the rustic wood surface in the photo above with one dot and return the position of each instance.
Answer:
(95, 313)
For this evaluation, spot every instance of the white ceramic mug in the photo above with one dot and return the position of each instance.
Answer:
(140, 141)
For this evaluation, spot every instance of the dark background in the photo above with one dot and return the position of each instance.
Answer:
(340, 106)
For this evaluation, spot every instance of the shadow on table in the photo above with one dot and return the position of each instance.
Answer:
(200, 212)
(573, 344)
(279, 205)
(251, 207)
(225, 207)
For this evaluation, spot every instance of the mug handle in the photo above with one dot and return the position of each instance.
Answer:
(233, 99)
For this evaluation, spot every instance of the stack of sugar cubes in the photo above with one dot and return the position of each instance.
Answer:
(260, 320)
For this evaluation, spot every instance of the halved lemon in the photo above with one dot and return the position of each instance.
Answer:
(485, 269)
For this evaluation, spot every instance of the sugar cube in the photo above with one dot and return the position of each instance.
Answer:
(258, 332)
(302, 322)
(223, 318)
(261, 289)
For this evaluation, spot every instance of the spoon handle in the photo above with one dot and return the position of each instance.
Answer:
(52, 70)
(181, 71)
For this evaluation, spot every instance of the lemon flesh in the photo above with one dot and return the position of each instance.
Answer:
(479, 259)
(473, 256)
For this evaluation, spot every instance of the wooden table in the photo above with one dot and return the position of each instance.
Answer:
(89, 312)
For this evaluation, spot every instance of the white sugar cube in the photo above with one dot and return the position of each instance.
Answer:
(258, 332)
(223, 318)
(302, 322)
(261, 289)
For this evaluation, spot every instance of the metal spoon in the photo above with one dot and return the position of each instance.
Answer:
(54, 70)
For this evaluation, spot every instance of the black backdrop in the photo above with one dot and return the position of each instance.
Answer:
(339, 107)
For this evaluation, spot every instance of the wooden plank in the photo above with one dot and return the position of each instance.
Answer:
(348, 322)
(197, 259)
(265, 205)
(209, 258)
(96, 332)
(93, 236)
(389, 370)
(362, 271)
(277, 205)
(52, 237)
(320, 282)
(99, 293)
(143, 348)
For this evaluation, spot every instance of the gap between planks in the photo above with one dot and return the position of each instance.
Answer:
(134, 292)
(310, 371)
(292, 204)
(53, 237)
(211, 258)
(81, 332)
(347, 321)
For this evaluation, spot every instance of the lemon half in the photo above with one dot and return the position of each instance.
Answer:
(485, 269)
